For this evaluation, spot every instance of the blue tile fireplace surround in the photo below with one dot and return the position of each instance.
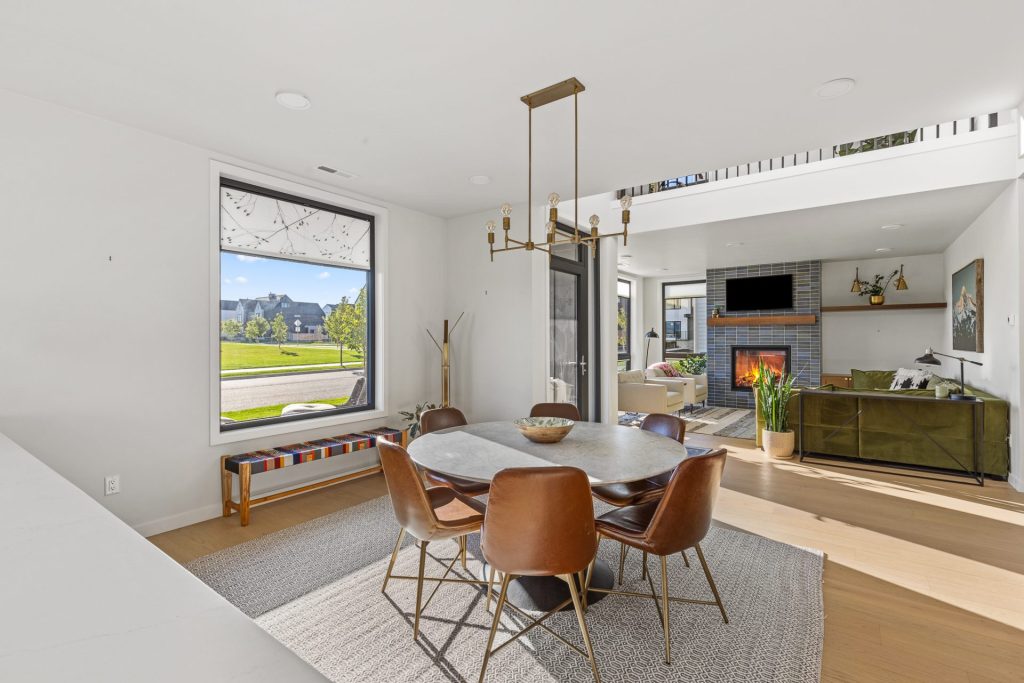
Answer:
(802, 341)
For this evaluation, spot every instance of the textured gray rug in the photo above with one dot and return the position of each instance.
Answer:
(736, 423)
(316, 588)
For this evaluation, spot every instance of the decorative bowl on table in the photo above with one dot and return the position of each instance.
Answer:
(544, 429)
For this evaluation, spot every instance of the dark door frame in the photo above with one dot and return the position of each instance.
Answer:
(580, 270)
(664, 322)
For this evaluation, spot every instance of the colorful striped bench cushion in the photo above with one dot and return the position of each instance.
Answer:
(317, 449)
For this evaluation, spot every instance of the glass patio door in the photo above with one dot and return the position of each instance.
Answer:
(568, 377)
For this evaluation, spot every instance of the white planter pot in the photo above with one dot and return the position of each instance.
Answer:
(778, 444)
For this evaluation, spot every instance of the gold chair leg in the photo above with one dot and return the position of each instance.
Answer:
(394, 556)
(494, 624)
(686, 560)
(664, 609)
(582, 576)
(711, 582)
(419, 590)
(583, 627)
(622, 559)
(490, 587)
(465, 548)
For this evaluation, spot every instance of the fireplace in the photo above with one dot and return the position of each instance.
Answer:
(745, 363)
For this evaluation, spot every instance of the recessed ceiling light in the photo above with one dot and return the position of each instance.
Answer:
(837, 87)
(665, 269)
(892, 226)
(292, 100)
(734, 244)
(625, 256)
(480, 179)
(882, 250)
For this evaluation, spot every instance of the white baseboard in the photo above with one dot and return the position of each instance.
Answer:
(158, 526)
(1016, 481)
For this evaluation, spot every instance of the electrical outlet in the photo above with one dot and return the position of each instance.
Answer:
(112, 485)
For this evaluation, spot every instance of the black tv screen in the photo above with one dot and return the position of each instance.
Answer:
(763, 293)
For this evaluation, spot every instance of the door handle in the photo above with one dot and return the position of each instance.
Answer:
(583, 365)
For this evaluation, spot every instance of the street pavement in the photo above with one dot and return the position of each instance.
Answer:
(254, 392)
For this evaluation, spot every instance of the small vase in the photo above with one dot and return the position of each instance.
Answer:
(877, 299)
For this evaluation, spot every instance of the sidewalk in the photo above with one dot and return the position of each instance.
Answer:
(296, 368)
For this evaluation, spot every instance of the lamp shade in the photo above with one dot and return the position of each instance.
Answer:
(651, 335)
(928, 358)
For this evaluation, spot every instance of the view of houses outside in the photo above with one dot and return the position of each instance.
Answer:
(293, 337)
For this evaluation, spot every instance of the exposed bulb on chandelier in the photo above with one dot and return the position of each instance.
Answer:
(626, 202)
(594, 220)
(553, 199)
(491, 225)
(506, 210)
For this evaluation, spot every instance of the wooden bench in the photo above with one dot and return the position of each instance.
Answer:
(245, 465)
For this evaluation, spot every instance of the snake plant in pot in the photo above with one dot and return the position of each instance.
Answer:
(772, 391)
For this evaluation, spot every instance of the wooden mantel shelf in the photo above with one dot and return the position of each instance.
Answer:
(883, 307)
(733, 321)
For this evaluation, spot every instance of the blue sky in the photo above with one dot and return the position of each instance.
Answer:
(247, 277)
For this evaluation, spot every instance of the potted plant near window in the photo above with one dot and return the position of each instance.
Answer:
(772, 392)
(875, 289)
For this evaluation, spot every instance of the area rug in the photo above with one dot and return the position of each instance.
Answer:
(736, 423)
(316, 588)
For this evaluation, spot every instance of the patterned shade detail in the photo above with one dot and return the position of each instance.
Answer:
(257, 224)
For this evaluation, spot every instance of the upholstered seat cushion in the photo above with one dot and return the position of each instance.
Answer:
(627, 523)
(453, 510)
(467, 487)
(632, 492)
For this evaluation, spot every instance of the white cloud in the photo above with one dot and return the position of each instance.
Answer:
(246, 258)
(323, 275)
(227, 281)
(241, 280)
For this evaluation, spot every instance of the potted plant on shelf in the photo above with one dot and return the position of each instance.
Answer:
(875, 289)
(772, 392)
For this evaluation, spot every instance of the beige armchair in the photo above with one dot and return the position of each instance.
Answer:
(694, 388)
(638, 395)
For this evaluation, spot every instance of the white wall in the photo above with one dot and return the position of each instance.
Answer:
(499, 352)
(105, 359)
(882, 339)
(995, 237)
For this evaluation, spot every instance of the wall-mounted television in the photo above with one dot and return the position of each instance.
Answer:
(762, 293)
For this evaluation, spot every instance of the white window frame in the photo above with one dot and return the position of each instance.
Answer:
(218, 170)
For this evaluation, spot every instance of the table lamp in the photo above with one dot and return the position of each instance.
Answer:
(929, 359)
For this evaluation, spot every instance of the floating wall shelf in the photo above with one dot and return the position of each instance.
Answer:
(883, 307)
(735, 321)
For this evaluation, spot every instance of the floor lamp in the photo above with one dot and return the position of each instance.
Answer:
(929, 359)
(649, 336)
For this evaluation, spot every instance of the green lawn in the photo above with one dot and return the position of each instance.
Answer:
(290, 371)
(275, 411)
(236, 355)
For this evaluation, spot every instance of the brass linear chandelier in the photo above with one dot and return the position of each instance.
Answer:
(547, 95)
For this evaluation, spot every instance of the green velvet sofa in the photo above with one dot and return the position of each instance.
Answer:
(884, 430)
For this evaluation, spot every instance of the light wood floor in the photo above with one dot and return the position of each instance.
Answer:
(924, 579)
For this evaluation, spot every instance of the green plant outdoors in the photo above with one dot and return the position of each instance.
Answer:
(692, 365)
(274, 411)
(773, 391)
(346, 325)
(240, 355)
(412, 417)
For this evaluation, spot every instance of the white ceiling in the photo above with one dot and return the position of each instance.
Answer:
(415, 97)
(840, 232)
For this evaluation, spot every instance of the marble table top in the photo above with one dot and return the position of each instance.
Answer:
(607, 453)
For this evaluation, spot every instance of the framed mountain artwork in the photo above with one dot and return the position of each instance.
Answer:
(968, 297)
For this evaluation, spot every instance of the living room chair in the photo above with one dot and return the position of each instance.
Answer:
(637, 395)
(429, 515)
(540, 522)
(680, 520)
(694, 388)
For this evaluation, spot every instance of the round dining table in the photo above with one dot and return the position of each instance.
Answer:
(607, 453)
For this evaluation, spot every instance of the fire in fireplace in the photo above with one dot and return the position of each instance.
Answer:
(745, 363)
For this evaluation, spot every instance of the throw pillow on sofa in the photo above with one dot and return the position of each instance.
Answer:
(872, 379)
(910, 378)
(666, 369)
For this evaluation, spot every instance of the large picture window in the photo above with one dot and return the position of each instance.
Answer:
(296, 308)
(684, 317)
(625, 322)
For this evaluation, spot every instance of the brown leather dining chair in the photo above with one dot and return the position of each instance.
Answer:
(678, 521)
(540, 522)
(428, 514)
(635, 492)
(566, 410)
